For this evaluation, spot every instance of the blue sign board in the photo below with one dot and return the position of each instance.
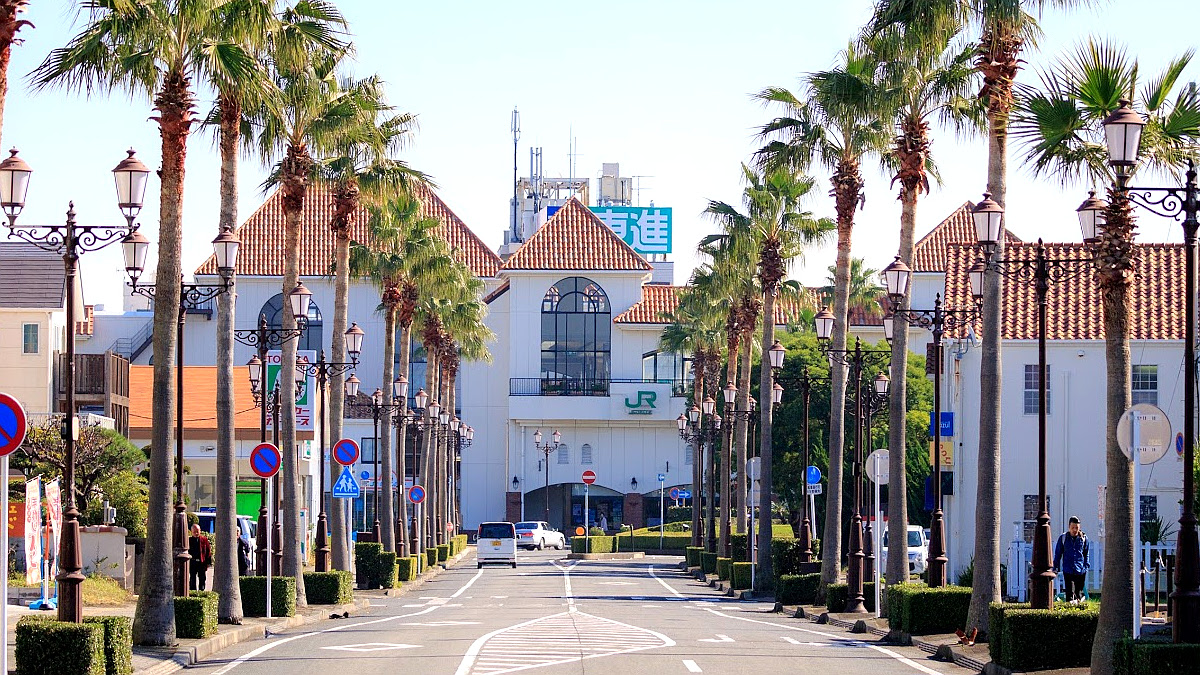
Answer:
(345, 452)
(947, 424)
(346, 487)
(647, 229)
(813, 475)
(685, 494)
(662, 477)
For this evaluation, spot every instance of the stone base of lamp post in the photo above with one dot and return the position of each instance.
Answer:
(1185, 624)
(1041, 578)
(70, 564)
(937, 551)
(377, 531)
(868, 553)
(322, 543)
(277, 548)
(182, 557)
(855, 602)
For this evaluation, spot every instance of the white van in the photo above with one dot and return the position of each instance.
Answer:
(496, 543)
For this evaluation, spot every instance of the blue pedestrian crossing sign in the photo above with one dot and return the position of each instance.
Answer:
(346, 486)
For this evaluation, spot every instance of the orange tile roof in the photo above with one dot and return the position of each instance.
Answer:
(199, 404)
(262, 234)
(929, 254)
(1156, 302)
(575, 239)
(659, 301)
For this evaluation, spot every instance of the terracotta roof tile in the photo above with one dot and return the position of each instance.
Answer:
(1156, 304)
(262, 252)
(659, 301)
(575, 239)
(929, 254)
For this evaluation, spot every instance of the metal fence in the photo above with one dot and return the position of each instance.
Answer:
(1020, 563)
(570, 386)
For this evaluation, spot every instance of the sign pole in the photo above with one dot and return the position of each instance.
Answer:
(1135, 428)
(877, 531)
(4, 563)
(270, 515)
(587, 528)
(662, 513)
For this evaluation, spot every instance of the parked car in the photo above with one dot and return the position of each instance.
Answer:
(538, 534)
(918, 550)
(496, 543)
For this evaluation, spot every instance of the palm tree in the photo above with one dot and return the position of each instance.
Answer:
(157, 48)
(9, 26)
(838, 124)
(1060, 125)
(865, 291)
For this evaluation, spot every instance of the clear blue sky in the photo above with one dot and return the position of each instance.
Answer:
(663, 87)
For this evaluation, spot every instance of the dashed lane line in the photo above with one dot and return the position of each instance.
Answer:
(691, 666)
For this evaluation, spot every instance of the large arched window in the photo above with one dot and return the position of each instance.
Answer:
(311, 339)
(576, 337)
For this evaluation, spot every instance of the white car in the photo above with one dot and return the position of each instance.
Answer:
(496, 543)
(537, 534)
(918, 550)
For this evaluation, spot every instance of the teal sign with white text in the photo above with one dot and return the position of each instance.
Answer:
(645, 228)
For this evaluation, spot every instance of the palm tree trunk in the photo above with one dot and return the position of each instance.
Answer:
(897, 568)
(766, 575)
(154, 618)
(427, 448)
(451, 454)
(401, 442)
(697, 452)
(337, 394)
(225, 572)
(743, 424)
(383, 481)
(443, 448)
(727, 456)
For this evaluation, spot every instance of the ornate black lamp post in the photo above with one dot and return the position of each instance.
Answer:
(70, 240)
(380, 404)
(546, 449)
(323, 370)
(414, 417)
(701, 428)
(873, 399)
(857, 360)
(732, 415)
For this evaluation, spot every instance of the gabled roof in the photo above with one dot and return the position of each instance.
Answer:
(1156, 299)
(31, 278)
(262, 235)
(929, 254)
(575, 239)
(659, 301)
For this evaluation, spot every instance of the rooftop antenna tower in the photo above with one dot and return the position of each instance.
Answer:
(516, 132)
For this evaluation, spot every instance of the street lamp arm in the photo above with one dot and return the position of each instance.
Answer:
(846, 357)
(1052, 270)
(326, 370)
(1173, 202)
(55, 238)
(267, 337)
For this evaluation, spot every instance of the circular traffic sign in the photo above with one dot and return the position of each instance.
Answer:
(812, 475)
(13, 424)
(877, 466)
(265, 460)
(674, 493)
(416, 494)
(345, 452)
(1154, 432)
(589, 477)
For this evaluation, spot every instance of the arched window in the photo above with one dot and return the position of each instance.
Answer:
(312, 337)
(576, 337)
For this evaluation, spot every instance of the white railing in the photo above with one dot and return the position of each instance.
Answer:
(85, 420)
(1020, 563)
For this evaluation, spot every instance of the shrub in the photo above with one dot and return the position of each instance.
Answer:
(443, 552)
(739, 575)
(376, 567)
(196, 615)
(406, 568)
(996, 611)
(118, 643)
(786, 556)
(679, 515)
(797, 589)
(724, 566)
(893, 603)
(692, 555)
(1150, 657)
(919, 610)
(671, 541)
(598, 544)
(708, 562)
(1042, 639)
(837, 595)
(737, 548)
(254, 596)
(328, 588)
(49, 647)
(430, 557)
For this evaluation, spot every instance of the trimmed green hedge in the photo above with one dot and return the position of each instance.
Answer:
(430, 557)
(328, 588)
(196, 615)
(1153, 657)
(599, 544)
(376, 567)
(919, 610)
(458, 544)
(254, 596)
(837, 595)
(646, 539)
(1045, 639)
(708, 562)
(739, 576)
(406, 568)
(49, 647)
(443, 552)
(724, 568)
(118, 643)
(737, 548)
(692, 555)
(798, 589)
(786, 556)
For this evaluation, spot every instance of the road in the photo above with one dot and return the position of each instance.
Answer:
(553, 615)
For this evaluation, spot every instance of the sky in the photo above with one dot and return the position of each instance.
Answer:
(664, 87)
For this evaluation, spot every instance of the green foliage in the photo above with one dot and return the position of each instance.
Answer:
(739, 576)
(406, 568)
(458, 544)
(1156, 531)
(598, 544)
(48, 647)
(1044, 639)
(692, 555)
(430, 557)
(798, 589)
(786, 556)
(196, 615)
(126, 492)
(724, 568)
(737, 547)
(679, 516)
(377, 567)
(837, 595)
(118, 643)
(254, 596)
(1152, 657)
(101, 455)
(708, 562)
(443, 552)
(671, 541)
(919, 610)
(329, 588)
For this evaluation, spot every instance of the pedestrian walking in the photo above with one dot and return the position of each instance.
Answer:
(1072, 559)
(604, 522)
(243, 549)
(201, 552)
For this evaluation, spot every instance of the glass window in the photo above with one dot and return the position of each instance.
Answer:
(585, 454)
(311, 338)
(914, 539)
(29, 335)
(564, 454)
(575, 335)
(1031, 390)
(497, 531)
(1145, 384)
(366, 448)
(688, 456)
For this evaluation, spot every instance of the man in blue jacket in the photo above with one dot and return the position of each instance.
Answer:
(1071, 559)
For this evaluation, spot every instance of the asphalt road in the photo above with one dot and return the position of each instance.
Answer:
(558, 616)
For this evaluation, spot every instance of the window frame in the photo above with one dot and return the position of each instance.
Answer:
(1144, 374)
(37, 338)
(576, 332)
(1029, 393)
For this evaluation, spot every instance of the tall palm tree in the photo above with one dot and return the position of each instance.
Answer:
(9, 26)
(1005, 28)
(838, 125)
(864, 290)
(156, 48)
(1060, 125)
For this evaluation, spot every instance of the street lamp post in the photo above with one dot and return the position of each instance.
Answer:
(70, 240)
(856, 359)
(414, 417)
(806, 381)
(380, 404)
(546, 449)
(872, 401)
(701, 428)
(896, 277)
(732, 415)
(1122, 135)
(1040, 272)
(323, 370)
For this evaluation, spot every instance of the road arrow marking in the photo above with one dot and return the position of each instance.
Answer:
(372, 647)
(691, 666)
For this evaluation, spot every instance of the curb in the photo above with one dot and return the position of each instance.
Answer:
(632, 555)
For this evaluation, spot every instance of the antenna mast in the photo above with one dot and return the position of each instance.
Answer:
(516, 132)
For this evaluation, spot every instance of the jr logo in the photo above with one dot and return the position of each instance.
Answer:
(644, 405)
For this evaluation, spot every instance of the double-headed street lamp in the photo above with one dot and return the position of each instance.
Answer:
(806, 382)
(701, 428)
(414, 417)
(874, 397)
(323, 370)
(379, 404)
(896, 277)
(546, 449)
(732, 416)
(450, 433)
(857, 360)
(70, 240)
(270, 401)
(1123, 135)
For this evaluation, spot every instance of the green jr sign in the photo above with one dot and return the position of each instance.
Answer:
(644, 405)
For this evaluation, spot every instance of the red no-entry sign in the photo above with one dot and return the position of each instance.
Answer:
(589, 476)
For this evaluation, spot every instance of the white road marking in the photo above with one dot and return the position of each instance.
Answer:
(790, 640)
(371, 647)
(443, 623)
(691, 666)
(719, 638)
(468, 584)
(618, 583)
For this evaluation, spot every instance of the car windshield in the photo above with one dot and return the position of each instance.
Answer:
(527, 526)
(496, 530)
(914, 539)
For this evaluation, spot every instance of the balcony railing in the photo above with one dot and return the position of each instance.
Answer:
(570, 386)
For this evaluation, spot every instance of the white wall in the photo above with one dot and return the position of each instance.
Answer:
(29, 377)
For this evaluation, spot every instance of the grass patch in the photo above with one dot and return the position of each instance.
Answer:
(100, 591)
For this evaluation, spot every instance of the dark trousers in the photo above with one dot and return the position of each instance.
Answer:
(199, 577)
(1073, 585)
